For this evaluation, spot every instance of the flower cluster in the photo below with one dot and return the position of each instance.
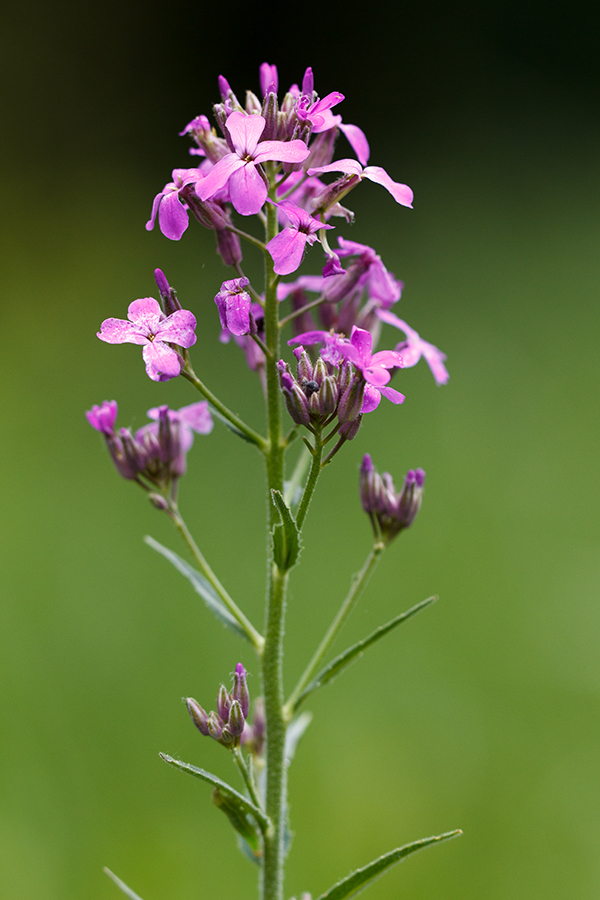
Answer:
(227, 724)
(390, 511)
(155, 456)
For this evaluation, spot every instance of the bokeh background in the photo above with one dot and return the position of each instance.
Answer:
(483, 712)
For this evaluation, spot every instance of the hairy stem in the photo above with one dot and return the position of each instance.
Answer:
(311, 481)
(358, 584)
(240, 762)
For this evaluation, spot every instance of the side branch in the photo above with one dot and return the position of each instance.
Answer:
(253, 436)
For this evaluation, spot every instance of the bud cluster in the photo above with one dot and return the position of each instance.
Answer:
(390, 512)
(227, 724)
(322, 391)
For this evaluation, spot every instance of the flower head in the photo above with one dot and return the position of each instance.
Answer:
(234, 304)
(390, 512)
(149, 327)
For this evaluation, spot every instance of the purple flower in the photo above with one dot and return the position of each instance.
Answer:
(380, 284)
(234, 303)
(103, 417)
(390, 511)
(183, 423)
(268, 79)
(414, 347)
(400, 192)
(172, 214)
(247, 187)
(287, 247)
(374, 368)
(333, 266)
(332, 353)
(150, 327)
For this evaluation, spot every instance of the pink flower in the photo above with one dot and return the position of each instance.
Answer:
(287, 247)
(381, 284)
(149, 327)
(247, 187)
(414, 347)
(172, 214)
(332, 353)
(374, 368)
(400, 192)
(103, 417)
(184, 422)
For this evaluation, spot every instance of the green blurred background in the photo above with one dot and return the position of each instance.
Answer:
(484, 712)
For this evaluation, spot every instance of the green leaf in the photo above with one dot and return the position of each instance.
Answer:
(333, 669)
(121, 884)
(245, 827)
(294, 732)
(201, 586)
(233, 797)
(286, 537)
(361, 878)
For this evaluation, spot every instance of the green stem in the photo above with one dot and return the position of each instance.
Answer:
(358, 584)
(272, 660)
(247, 237)
(253, 436)
(298, 312)
(298, 474)
(240, 762)
(255, 637)
(311, 481)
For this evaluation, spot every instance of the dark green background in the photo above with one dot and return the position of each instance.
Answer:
(484, 712)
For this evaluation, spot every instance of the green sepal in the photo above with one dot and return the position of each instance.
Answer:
(233, 797)
(337, 665)
(286, 536)
(201, 586)
(121, 884)
(361, 878)
(250, 838)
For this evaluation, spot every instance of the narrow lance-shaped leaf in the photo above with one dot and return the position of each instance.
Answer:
(293, 733)
(286, 537)
(201, 586)
(233, 796)
(361, 878)
(217, 415)
(121, 884)
(337, 665)
(245, 828)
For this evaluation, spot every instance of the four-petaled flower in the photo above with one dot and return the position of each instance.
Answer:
(400, 192)
(374, 368)
(149, 326)
(287, 247)
(247, 186)
(414, 347)
(172, 214)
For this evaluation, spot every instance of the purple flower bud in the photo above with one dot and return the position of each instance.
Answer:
(224, 88)
(103, 417)
(215, 726)
(229, 246)
(328, 396)
(198, 715)
(390, 512)
(168, 296)
(308, 83)
(253, 104)
(223, 703)
(410, 499)
(240, 690)
(305, 368)
(320, 371)
(295, 399)
(269, 81)
(270, 113)
(351, 401)
(236, 719)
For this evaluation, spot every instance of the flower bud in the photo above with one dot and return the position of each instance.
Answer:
(223, 703)
(240, 692)
(351, 401)
(305, 368)
(215, 726)
(409, 501)
(320, 371)
(270, 113)
(168, 296)
(198, 715)
(328, 396)
(295, 399)
(350, 429)
(253, 104)
(236, 720)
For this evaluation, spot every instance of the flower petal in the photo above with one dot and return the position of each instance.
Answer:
(162, 363)
(347, 166)
(146, 314)
(400, 192)
(387, 358)
(286, 249)
(435, 360)
(219, 175)
(282, 151)
(372, 399)
(376, 375)
(245, 132)
(155, 204)
(247, 190)
(119, 331)
(362, 342)
(172, 217)
(197, 417)
(358, 141)
(178, 328)
(393, 395)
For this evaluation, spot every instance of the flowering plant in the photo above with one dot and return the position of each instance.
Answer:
(267, 162)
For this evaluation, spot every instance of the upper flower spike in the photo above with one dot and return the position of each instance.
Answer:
(148, 326)
(247, 188)
(400, 192)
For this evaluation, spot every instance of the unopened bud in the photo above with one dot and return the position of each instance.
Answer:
(158, 502)
(270, 113)
(223, 703)
(240, 691)
(215, 726)
(351, 401)
(350, 429)
(198, 715)
(320, 371)
(236, 719)
(253, 104)
(328, 395)
(305, 368)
